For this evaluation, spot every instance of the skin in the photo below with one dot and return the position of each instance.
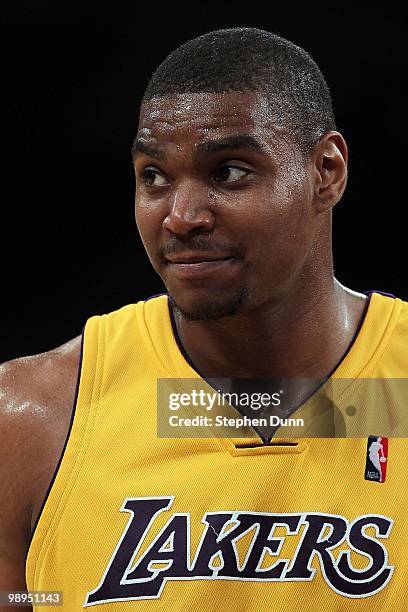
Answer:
(276, 309)
(273, 309)
(36, 399)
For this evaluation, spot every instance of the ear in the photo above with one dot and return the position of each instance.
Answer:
(330, 163)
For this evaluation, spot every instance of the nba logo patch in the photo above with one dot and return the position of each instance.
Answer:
(376, 459)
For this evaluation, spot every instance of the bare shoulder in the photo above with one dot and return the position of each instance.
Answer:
(38, 373)
(36, 399)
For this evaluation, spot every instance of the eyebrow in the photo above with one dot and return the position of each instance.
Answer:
(141, 146)
(204, 149)
(238, 141)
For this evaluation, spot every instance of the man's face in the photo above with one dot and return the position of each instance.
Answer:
(224, 201)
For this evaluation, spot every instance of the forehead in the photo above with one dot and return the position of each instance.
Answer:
(197, 116)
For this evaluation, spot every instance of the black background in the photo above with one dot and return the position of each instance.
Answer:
(73, 76)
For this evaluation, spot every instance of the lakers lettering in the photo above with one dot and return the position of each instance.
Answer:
(216, 557)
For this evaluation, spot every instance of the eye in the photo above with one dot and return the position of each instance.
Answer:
(230, 174)
(153, 178)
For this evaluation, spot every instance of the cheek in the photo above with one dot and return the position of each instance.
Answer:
(149, 225)
(281, 227)
(149, 218)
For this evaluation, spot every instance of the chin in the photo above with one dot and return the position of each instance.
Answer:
(209, 309)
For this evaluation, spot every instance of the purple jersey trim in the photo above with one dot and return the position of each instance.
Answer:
(324, 380)
(354, 338)
(359, 326)
(370, 291)
(155, 296)
(66, 439)
(179, 344)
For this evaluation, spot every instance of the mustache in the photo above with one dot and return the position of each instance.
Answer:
(175, 247)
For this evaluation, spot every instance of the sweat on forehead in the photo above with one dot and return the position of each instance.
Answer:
(208, 124)
(244, 118)
(230, 106)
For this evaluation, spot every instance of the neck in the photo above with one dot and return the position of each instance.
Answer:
(304, 335)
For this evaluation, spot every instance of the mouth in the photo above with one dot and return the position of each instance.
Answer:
(193, 258)
(197, 266)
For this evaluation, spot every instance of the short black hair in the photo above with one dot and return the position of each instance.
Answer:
(250, 59)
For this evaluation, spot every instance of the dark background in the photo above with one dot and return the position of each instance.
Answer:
(72, 79)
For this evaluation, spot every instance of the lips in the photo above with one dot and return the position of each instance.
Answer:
(198, 266)
(193, 258)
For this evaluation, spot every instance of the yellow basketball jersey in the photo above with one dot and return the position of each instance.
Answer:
(133, 521)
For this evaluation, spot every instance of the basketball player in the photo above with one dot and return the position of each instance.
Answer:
(238, 166)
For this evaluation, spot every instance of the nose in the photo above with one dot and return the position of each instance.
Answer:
(189, 211)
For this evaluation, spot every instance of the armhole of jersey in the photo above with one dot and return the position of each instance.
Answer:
(44, 525)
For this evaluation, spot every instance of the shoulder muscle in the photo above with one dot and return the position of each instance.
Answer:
(36, 397)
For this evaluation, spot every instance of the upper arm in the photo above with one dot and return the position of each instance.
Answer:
(12, 579)
(15, 490)
(36, 395)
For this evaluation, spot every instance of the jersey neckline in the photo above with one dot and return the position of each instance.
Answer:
(370, 336)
